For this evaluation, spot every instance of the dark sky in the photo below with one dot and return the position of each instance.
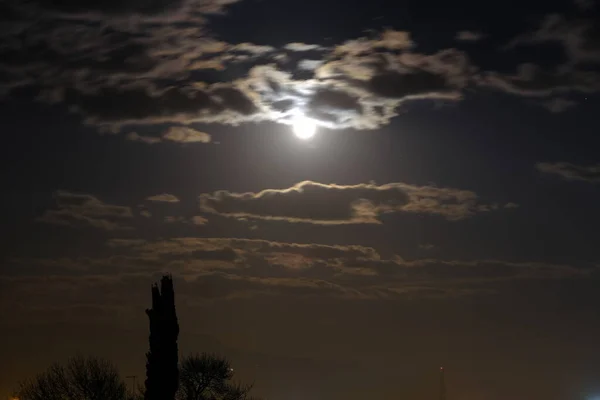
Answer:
(445, 212)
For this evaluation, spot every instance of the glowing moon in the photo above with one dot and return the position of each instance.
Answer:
(304, 128)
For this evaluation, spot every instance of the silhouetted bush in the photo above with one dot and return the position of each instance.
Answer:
(209, 377)
(200, 376)
(81, 378)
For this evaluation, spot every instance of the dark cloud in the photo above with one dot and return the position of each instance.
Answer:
(331, 204)
(125, 242)
(78, 210)
(177, 134)
(362, 89)
(225, 268)
(111, 7)
(532, 80)
(198, 220)
(171, 219)
(380, 81)
(164, 198)
(576, 74)
(234, 99)
(397, 85)
(228, 286)
(138, 104)
(75, 209)
(469, 36)
(389, 39)
(578, 38)
(116, 75)
(187, 245)
(334, 106)
(585, 4)
(558, 104)
(130, 8)
(572, 172)
(136, 137)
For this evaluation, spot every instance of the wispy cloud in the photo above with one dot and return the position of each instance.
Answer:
(571, 172)
(74, 209)
(182, 134)
(331, 204)
(228, 268)
(469, 36)
(164, 198)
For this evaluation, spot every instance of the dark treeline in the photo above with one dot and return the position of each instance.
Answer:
(198, 376)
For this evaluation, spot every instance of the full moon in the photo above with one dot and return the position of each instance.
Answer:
(304, 128)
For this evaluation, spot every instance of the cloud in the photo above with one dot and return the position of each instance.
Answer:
(171, 219)
(389, 39)
(139, 104)
(122, 75)
(571, 172)
(361, 87)
(559, 104)
(309, 65)
(135, 137)
(120, 70)
(188, 245)
(164, 198)
(533, 81)
(75, 209)
(129, 9)
(125, 242)
(585, 4)
(199, 220)
(226, 268)
(578, 38)
(145, 213)
(178, 134)
(357, 267)
(299, 47)
(253, 48)
(469, 36)
(331, 204)
(182, 134)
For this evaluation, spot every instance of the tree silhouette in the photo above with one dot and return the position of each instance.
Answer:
(162, 374)
(208, 377)
(81, 378)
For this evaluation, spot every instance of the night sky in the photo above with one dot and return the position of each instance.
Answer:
(446, 211)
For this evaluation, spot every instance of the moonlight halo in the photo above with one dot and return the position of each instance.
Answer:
(303, 127)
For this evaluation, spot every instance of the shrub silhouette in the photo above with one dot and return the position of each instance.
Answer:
(81, 378)
(202, 377)
(209, 377)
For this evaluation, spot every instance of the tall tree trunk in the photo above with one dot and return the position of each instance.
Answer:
(162, 373)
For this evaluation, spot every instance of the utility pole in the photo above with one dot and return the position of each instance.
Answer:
(133, 378)
(442, 384)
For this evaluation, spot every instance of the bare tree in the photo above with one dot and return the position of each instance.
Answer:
(209, 377)
(81, 378)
